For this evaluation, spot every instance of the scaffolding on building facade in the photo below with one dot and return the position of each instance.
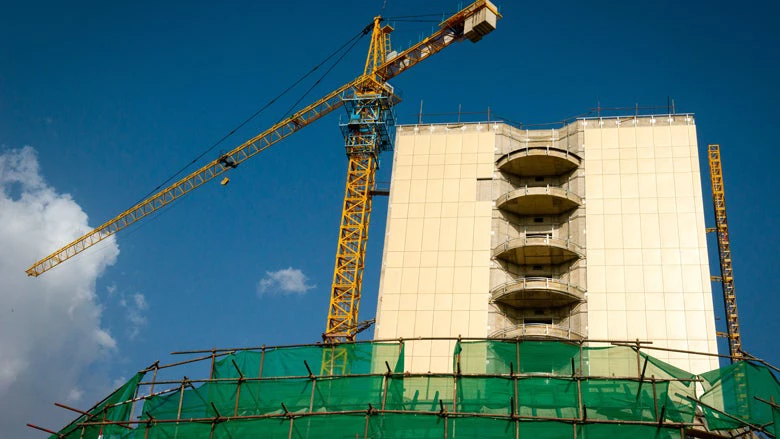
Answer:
(497, 388)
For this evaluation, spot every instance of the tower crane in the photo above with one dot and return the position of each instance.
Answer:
(368, 100)
(726, 277)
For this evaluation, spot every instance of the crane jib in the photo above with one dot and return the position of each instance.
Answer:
(472, 22)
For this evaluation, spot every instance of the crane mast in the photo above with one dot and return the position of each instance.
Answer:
(367, 132)
(724, 254)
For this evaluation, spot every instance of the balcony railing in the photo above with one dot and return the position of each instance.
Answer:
(525, 200)
(541, 188)
(529, 292)
(544, 330)
(537, 157)
(538, 239)
(538, 250)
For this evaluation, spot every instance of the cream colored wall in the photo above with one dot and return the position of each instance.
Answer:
(646, 255)
(647, 266)
(436, 265)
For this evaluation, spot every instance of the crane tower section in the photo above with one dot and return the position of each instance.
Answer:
(724, 252)
(366, 134)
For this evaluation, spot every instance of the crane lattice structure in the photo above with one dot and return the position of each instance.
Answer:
(368, 100)
(724, 252)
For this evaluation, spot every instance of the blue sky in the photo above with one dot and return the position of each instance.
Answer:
(114, 98)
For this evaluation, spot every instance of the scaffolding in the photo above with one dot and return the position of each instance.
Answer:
(513, 388)
(726, 277)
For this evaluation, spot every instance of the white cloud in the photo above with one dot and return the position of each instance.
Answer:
(119, 382)
(134, 313)
(51, 334)
(286, 281)
(104, 339)
(74, 395)
(140, 301)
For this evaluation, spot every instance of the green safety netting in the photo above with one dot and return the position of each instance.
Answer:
(396, 426)
(266, 397)
(678, 404)
(498, 389)
(664, 388)
(734, 390)
(361, 358)
(116, 407)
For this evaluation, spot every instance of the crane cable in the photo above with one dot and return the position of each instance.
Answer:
(400, 17)
(422, 18)
(365, 31)
(354, 40)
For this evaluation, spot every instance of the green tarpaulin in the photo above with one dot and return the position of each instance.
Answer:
(499, 389)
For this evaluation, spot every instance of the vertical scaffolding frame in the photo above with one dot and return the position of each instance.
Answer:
(726, 277)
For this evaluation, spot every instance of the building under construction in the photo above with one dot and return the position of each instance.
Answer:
(540, 282)
(594, 229)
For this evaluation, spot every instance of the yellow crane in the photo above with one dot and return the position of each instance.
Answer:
(369, 99)
(726, 277)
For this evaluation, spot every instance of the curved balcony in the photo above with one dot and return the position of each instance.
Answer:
(537, 330)
(541, 200)
(537, 292)
(542, 250)
(537, 161)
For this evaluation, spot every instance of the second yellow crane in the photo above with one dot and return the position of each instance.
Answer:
(726, 277)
